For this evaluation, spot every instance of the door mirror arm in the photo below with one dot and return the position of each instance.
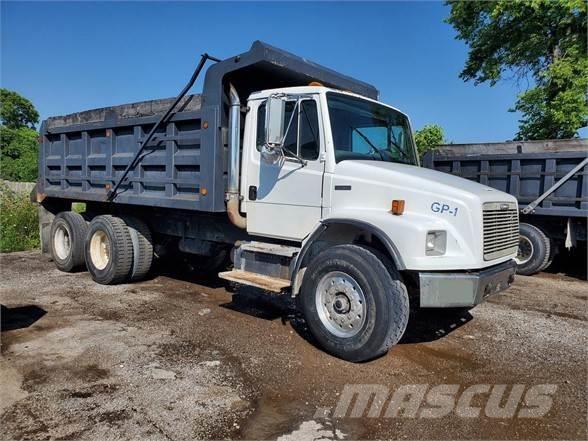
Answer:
(275, 132)
(302, 162)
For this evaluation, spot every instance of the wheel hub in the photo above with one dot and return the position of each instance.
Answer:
(340, 304)
(100, 250)
(62, 242)
(525, 251)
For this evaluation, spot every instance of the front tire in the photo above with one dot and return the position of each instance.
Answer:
(68, 233)
(109, 250)
(534, 250)
(354, 302)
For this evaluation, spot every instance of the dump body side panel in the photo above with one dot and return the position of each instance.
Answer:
(526, 176)
(81, 161)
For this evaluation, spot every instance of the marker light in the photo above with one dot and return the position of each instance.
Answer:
(397, 207)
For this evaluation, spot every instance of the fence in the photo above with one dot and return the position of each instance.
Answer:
(18, 187)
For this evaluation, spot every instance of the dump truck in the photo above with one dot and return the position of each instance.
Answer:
(297, 173)
(549, 180)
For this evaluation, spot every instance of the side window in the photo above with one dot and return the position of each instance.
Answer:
(292, 135)
(260, 126)
(303, 135)
(309, 131)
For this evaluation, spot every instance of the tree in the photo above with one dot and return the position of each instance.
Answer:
(544, 41)
(429, 137)
(18, 138)
(18, 155)
(16, 111)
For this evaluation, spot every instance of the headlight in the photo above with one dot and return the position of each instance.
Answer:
(436, 243)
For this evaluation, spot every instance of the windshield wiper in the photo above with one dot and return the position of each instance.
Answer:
(366, 139)
(399, 149)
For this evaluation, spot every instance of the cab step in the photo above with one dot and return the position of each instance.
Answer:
(268, 283)
(269, 248)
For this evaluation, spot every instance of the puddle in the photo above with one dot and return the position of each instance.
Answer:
(313, 430)
(432, 358)
(274, 417)
(282, 419)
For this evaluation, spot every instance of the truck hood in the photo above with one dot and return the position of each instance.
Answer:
(419, 178)
(434, 201)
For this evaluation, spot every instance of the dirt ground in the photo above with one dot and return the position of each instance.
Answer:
(182, 358)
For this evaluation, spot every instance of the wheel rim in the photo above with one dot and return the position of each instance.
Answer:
(100, 250)
(62, 242)
(525, 251)
(340, 304)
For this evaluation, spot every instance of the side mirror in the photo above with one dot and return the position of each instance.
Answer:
(274, 121)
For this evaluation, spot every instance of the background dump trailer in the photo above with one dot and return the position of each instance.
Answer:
(549, 179)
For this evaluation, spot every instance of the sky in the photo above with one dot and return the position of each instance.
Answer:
(72, 56)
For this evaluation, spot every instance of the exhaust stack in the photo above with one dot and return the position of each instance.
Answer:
(232, 195)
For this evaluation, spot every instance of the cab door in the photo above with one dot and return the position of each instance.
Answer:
(284, 196)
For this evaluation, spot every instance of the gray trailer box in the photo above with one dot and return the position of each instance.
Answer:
(525, 170)
(83, 155)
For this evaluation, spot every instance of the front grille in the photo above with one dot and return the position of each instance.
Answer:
(501, 229)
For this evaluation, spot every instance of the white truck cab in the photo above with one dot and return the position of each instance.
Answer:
(323, 168)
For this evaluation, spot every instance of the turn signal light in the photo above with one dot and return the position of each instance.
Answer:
(397, 207)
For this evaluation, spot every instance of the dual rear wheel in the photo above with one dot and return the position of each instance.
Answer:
(114, 249)
(536, 250)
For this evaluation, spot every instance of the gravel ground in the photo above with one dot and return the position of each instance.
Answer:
(180, 358)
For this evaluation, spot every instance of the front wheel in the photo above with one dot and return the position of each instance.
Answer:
(354, 302)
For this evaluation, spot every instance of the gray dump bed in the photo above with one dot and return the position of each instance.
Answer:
(524, 169)
(82, 155)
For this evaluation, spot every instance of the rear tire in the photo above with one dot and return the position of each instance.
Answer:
(142, 247)
(355, 304)
(552, 252)
(68, 233)
(534, 250)
(109, 250)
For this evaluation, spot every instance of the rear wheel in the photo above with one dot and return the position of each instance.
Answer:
(142, 247)
(552, 252)
(534, 251)
(109, 250)
(355, 304)
(68, 232)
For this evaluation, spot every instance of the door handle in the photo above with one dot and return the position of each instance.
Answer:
(252, 192)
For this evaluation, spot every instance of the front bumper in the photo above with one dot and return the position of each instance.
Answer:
(463, 289)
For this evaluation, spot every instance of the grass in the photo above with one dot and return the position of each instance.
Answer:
(78, 207)
(19, 224)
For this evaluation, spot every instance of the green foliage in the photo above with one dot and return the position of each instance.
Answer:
(18, 138)
(19, 225)
(541, 40)
(16, 111)
(78, 207)
(429, 137)
(558, 107)
(18, 154)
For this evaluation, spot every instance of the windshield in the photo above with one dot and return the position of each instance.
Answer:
(366, 130)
